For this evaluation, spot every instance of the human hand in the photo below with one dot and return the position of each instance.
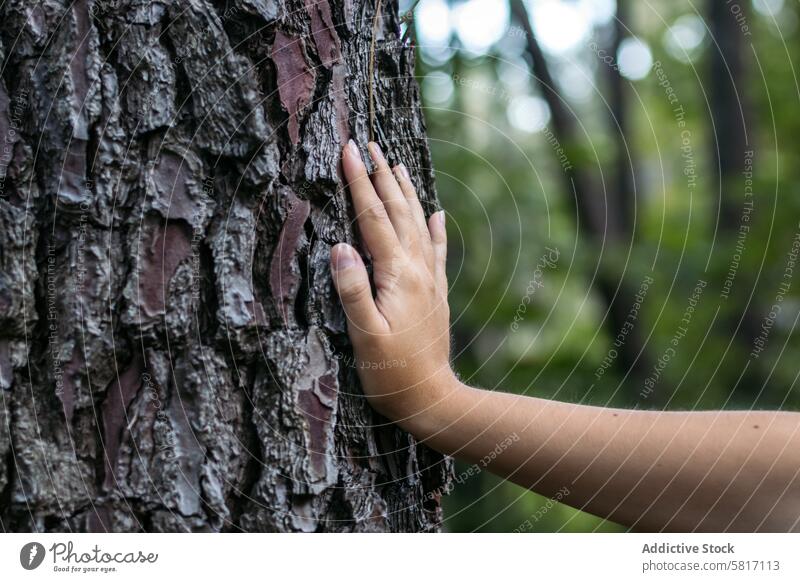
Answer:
(400, 337)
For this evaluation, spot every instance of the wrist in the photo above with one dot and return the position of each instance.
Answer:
(431, 405)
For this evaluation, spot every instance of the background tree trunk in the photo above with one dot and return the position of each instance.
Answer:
(732, 150)
(172, 354)
(605, 217)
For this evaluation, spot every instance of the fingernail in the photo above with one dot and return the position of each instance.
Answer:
(353, 148)
(343, 256)
(441, 218)
(376, 152)
(404, 171)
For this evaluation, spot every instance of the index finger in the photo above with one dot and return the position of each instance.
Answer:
(373, 221)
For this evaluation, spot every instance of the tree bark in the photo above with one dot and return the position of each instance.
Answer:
(173, 356)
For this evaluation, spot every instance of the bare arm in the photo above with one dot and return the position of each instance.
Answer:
(710, 471)
(672, 471)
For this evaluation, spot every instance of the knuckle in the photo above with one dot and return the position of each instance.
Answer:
(376, 213)
(404, 208)
(430, 259)
(354, 292)
(426, 239)
(386, 276)
(423, 282)
(361, 179)
(399, 207)
(417, 247)
(410, 194)
(394, 267)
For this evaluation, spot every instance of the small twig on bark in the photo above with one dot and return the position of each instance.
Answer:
(408, 20)
(372, 70)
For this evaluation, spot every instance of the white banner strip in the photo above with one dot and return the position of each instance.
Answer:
(399, 557)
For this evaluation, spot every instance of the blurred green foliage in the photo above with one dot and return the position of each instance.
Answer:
(502, 187)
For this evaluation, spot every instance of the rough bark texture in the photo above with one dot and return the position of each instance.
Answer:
(172, 354)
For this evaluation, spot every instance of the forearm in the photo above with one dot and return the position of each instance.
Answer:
(649, 470)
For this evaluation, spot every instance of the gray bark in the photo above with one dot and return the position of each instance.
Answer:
(173, 356)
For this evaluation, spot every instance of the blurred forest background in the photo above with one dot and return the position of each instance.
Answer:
(621, 183)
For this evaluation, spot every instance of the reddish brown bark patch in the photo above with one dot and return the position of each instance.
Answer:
(165, 246)
(7, 133)
(317, 407)
(66, 390)
(284, 276)
(318, 416)
(325, 38)
(73, 175)
(119, 394)
(296, 80)
(77, 63)
(6, 369)
(99, 520)
(73, 172)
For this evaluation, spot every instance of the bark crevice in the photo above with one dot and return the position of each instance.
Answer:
(165, 231)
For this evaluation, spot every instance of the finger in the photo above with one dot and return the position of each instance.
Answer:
(373, 222)
(410, 194)
(417, 213)
(436, 226)
(392, 196)
(352, 283)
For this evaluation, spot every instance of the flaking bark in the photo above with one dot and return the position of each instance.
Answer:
(173, 356)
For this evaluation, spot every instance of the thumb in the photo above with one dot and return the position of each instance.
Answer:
(352, 283)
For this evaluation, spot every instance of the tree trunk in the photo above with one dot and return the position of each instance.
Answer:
(604, 217)
(626, 203)
(729, 109)
(172, 354)
(731, 150)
